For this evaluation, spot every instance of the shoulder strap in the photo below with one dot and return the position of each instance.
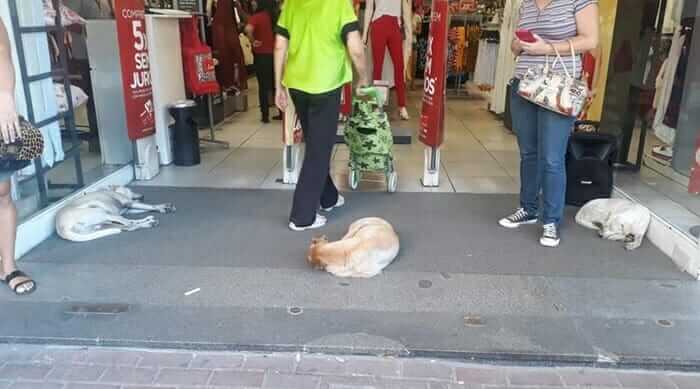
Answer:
(573, 57)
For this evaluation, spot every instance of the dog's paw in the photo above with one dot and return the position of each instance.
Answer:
(168, 208)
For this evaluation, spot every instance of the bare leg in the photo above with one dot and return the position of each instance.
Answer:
(8, 234)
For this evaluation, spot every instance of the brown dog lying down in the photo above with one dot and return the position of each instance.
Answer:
(370, 245)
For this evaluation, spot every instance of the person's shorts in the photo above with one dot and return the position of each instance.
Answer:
(5, 176)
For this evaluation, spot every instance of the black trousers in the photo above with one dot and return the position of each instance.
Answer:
(265, 71)
(319, 120)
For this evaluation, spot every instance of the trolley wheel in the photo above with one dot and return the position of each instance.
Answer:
(392, 182)
(354, 179)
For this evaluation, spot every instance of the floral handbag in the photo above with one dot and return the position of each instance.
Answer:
(18, 155)
(557, 92)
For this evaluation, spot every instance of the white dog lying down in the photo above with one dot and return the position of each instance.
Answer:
(99, 214)
(616, 219)
(370, 245)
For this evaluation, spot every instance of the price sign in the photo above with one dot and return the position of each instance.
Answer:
(136, 67)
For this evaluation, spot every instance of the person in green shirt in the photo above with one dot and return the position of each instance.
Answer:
(316, 41)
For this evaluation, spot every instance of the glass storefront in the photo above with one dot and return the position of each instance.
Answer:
(651, 99)
(44, 59)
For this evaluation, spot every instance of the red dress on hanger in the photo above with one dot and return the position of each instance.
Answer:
(231, 71)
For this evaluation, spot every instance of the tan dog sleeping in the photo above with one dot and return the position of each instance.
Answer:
(370, 245)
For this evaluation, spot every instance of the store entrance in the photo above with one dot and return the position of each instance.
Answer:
(225, 272)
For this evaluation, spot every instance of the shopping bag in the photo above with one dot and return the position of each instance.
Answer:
(292, 133)
(197, 60)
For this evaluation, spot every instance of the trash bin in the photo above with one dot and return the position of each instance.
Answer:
(185, 133)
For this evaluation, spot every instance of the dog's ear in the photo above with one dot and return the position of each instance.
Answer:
(319, 239)
(314, 259)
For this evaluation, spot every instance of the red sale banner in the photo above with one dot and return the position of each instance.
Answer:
(432, 119)
(136, 73)
(694, 186)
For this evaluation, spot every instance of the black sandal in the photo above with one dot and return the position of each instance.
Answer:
(16, 274)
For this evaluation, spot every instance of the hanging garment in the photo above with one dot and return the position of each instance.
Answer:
(664, 88)
(422, 49)
(105, 7)
(674, 104)
(458, 40)
(506, 61)
(231, 71)
(69, 17)
(485, 69)
(471, 48)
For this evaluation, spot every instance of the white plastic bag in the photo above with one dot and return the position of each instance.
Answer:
(247, 48)
(79, 97)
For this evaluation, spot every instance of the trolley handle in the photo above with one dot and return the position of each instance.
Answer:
(370, 93)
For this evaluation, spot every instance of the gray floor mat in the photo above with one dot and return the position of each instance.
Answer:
(453, 233)
(461, 287)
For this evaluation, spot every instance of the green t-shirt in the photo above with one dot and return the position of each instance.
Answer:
(317, 60)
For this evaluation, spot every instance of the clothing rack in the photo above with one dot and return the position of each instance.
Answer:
(68, 117)
(491, 35)
(462, 20)
(210, 100)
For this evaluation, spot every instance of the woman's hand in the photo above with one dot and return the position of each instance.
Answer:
(257, 44)
(539, 47)
(281, 98)
(10, 129)
(516, 46)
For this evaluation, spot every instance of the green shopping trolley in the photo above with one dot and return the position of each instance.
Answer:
(369, 139)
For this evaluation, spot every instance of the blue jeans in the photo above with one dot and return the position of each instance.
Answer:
(543, 137)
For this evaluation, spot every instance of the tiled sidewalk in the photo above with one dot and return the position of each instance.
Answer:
(37, 367)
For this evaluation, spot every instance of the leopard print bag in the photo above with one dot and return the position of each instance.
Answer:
(18, 155)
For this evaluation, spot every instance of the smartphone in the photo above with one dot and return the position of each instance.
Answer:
(525, 36)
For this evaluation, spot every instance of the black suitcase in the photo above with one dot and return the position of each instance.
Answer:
(507, 116)
(589, 167)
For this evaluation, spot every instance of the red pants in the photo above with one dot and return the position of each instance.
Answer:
(386, 32)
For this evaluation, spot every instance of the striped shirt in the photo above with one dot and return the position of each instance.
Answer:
(555, 23)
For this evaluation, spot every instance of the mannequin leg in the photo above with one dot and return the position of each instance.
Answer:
(379, 31)
(395, 44)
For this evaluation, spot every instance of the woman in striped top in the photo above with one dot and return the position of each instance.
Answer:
(543, 135)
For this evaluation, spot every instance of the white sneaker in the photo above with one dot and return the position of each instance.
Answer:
(550, 235)
(338, 204)
(403, 113)
(518, 218)
(318, 223)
